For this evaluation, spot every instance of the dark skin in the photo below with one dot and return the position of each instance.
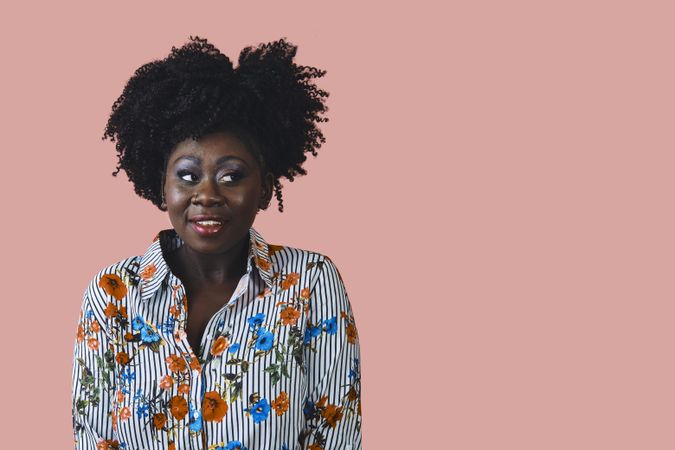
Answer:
(219, 177)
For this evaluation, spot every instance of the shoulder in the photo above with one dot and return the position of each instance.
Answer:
(287, 259)
(317, 270)
(113, 282)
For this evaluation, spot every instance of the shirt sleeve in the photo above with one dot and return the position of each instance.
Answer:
(332, 409)
(93, 381)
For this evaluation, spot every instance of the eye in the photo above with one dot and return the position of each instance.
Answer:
(231, 177)
(186, 175)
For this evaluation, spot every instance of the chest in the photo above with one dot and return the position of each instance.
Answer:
(202, 305)
(254, 350)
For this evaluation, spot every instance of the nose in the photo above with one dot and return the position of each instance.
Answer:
(207, 194)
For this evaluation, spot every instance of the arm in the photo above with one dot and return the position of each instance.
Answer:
(93, 381)
(332, 408)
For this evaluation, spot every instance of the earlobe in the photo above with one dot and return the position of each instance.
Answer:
(264, 200)
(162, 206)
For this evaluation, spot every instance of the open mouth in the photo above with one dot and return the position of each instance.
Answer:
(207, 227)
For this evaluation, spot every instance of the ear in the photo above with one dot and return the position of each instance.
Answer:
(267, 190)
(162, 206)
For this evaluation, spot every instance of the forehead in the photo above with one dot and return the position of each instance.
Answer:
(211, 147)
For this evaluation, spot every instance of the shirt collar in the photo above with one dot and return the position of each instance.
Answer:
(153, 269)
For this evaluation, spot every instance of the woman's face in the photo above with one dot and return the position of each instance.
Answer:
(213, 189)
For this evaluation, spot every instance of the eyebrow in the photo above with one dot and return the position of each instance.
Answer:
(219, 161)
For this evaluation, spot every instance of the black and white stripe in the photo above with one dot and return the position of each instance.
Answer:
(329, 369)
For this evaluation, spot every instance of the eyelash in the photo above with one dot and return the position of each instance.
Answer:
(234, 175)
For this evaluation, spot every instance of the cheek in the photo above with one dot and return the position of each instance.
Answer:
(175, 195)
(244, 199)
(176, 198)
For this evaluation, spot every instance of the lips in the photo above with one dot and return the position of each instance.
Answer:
(207, 225)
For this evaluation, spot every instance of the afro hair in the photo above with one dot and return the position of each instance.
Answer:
(196, 90)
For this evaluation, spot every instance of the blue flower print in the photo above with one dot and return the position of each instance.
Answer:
(234, 348)
(256, 321)
(235, 445)
(265, 340)
(138, 323)
(148, 335)
(128, 375)
(168, 326)
(138, 395)
(308, 410)
(195, 420)
(89, 314)
(331, 325)
(310, 333)
(142, 410)
(354, 372)
(259, 410)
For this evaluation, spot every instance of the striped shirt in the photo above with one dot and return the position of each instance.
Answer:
(278, 367)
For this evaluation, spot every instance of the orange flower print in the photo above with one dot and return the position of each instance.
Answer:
(289, 316)
(95, 326)
(180, 335)
(219, 346)
(343, 314)
(92, 343)
(314, 447)
(166, 382)
(172, 446)
(148, 271)
(110, 310)
(322, 401)
(178, 406)
(122, 358)
(128, 337)
(113, 285)
(272, 249)
(214, 407)
(352, 394)
(173, 310)
(107, 444)
(280, 404)
(304, 293)
(125, 413)
(159, 420)
(80, 333)
(120, 396)
(194, 364)
(122, 311)
(352, 334)
(176, 363)
(184, 388)
(264, 265)
(113, 416)
(332, 414)
(264, 293)
(290, 280)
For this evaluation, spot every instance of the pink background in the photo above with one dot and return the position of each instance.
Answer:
(496, 189)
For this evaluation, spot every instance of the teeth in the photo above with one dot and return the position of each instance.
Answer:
(208, 223)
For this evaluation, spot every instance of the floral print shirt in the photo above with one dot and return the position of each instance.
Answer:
(278, 367)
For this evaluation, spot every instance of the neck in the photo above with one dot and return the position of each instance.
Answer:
(220, 268)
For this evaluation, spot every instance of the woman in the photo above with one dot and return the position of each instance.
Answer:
(214, 338)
